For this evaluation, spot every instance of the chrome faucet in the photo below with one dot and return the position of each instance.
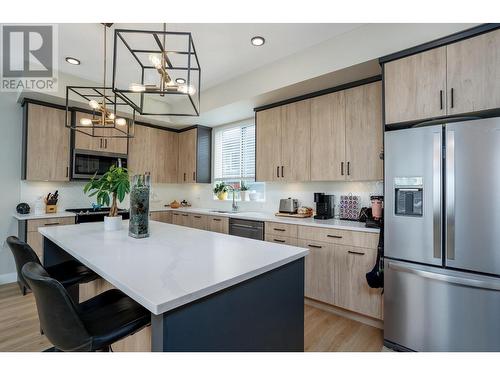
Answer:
(234, 206)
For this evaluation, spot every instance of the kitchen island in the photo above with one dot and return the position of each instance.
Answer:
(205, 291)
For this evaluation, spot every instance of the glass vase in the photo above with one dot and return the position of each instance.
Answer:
(139, 206)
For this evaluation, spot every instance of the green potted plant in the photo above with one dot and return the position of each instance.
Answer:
(244, 192)
(112, 186)
(220, 190)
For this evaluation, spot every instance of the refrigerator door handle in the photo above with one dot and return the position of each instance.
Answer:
(462, 281)
(436, 193)
(450, 194)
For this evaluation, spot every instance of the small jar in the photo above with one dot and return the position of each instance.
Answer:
(377, 206)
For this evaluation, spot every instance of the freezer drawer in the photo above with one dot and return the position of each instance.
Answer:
(433, 309)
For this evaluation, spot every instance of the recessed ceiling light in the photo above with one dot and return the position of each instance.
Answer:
(180, 80)
(72, 60)
(258, 40)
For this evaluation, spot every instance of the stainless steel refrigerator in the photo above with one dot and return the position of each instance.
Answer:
(442, 237)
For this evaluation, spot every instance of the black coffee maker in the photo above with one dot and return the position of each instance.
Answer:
(324, 206)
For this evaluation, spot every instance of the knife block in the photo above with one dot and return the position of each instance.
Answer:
(50, 208)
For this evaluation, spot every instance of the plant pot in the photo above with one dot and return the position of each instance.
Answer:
(254, 196)
(245, 195)
(112, 223)
(222, 195)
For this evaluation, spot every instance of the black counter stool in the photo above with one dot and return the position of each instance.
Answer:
(92, 325)
(68, 273)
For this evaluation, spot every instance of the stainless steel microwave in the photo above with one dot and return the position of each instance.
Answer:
(86, 163)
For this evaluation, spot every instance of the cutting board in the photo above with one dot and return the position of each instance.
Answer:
(299, 216)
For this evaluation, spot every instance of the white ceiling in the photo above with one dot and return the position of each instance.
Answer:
(224, 50)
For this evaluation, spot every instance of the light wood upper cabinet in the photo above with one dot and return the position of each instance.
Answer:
(141, 148)
(154, 150)
(296, 141)
(473, 71)
(415, 86)
(104, 139)
(165, 160)
(268, 144)
(328, 137)
(47, 144)
(364, 132)
(352, 291)
(187, 156)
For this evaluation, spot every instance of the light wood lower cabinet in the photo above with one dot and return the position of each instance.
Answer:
(320, 278)
(218, 224)
(281, 240)
(352, 292)
(179, 218)
(198, 221)
(35, 239)
(162, 216)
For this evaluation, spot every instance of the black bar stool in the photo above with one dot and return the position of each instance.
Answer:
(92, 325)
(68, 273)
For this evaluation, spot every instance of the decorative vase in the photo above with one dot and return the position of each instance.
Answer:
(139, 206)
(245, 195)
(112, 223)
(222, 195)
(254, 196)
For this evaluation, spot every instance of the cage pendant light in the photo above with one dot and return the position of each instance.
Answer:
(99, 117)
(157, 72)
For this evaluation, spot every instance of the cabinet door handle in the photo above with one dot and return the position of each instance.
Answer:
(49, 224)
(441, 99)
(185, 215)
(106, 143)
(333, 236)
(315, 246)
(198, 217)
(282, 173)
(216, 219)
(355, 252)
(278, 171)
(100, 142)
(67, 171)
(184, 176)
(341, 168)
(452, 99)
(194, 176)
(279, 229)
(280, 241)
(348, 168)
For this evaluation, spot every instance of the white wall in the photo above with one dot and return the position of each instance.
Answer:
(10, 174)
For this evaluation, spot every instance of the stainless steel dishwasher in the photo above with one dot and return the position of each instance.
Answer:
(246, 228)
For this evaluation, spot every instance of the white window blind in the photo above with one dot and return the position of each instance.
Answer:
(234, 153)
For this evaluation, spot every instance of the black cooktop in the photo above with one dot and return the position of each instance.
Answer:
(90, 211)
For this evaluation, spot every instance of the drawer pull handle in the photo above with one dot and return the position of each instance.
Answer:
(198, 217)
(355, 252)
(333, 236)
(48, 224)
(279, 229)
(315, 246)
(216, 219)
(185, 215)
(280, 241)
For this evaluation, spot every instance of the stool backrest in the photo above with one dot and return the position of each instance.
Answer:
(57, 312)
(23, 253)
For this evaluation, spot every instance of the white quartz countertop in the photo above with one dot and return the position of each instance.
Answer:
(32, 216)
(262, 216)
(175, 265)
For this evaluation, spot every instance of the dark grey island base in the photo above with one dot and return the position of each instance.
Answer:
(264, 313)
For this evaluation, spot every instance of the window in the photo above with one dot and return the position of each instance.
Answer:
(234, 159)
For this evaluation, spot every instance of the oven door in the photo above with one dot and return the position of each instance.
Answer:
(87, 163)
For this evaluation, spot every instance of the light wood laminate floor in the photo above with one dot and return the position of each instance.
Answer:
(324, 331)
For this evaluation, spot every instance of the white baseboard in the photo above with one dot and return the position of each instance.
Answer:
(8, 278)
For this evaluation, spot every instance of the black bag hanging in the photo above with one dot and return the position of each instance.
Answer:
(375, 278)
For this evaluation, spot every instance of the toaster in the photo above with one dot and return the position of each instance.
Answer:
(289, 206)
